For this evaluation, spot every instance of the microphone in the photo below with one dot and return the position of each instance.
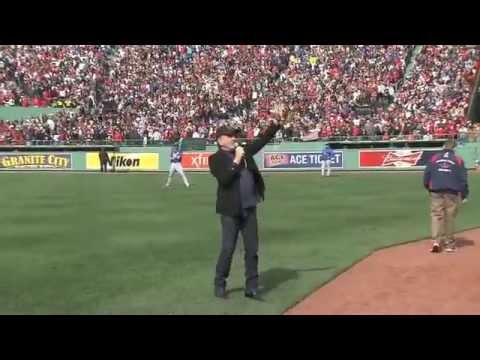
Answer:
(242, 144)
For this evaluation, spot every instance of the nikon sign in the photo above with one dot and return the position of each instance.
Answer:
(124, 161)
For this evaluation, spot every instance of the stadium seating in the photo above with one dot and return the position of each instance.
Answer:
(164, 92)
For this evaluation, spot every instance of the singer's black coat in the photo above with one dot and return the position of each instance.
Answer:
(227, 174)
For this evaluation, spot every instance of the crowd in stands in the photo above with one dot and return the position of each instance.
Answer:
(166, 92)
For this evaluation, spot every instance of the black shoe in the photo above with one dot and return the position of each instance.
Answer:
(220, 292)
(252, 294)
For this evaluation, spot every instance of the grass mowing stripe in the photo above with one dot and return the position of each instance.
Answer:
(81, 244)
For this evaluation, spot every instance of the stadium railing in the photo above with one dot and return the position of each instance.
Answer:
(470, 137)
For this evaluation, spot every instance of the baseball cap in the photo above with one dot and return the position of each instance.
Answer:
(226, 130)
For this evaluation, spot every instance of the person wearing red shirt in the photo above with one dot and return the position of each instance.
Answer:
(63, 136)
(430, 128)
(117, 136)
(452, 129)
(46, 94)
(168, 135)
(326, 132)
(440, 132)
(42, 102)
(18, 138)
(335, 72)
(250, 133)
(356, 131)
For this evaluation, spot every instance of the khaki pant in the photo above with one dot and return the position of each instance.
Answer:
(444, 209)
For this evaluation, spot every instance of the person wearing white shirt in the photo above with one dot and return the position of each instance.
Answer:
(279, 135)
(381, 89)
(51, 124)
(463, 132)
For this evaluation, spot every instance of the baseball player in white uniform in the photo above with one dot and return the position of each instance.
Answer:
(176, 165)
(328, 155)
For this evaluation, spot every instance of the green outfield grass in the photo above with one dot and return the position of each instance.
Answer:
(103, 244)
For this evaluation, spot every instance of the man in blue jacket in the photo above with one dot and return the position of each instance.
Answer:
(445, 177)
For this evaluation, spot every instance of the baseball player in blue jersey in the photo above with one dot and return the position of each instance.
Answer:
(176, 165)
(328, 156)
(445, 178)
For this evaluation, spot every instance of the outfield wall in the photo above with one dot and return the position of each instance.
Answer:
(281, 157)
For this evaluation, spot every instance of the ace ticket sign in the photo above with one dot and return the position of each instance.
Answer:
(300, 160)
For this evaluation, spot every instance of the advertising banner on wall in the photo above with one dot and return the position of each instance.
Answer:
(124, 161)
(412, 158)
(195, 160)
(299, 160)
(35, 161)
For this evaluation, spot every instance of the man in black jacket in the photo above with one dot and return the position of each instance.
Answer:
(240, 189)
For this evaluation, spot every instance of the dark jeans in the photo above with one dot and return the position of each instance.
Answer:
(231, 226)
(103, 166)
